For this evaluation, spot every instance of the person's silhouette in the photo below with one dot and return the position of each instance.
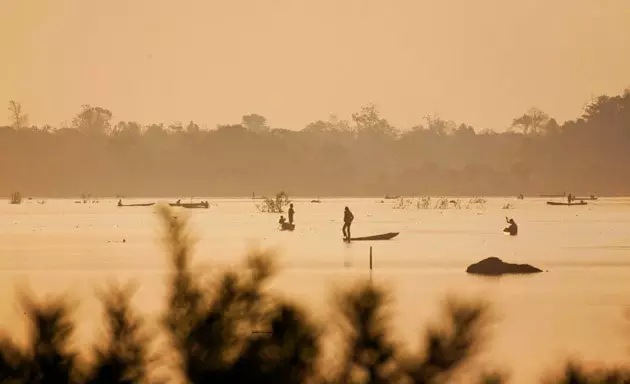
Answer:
(348, 217)
(291, 213)
(512, 229)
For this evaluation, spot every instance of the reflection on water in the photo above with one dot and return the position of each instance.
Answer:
(576, 308)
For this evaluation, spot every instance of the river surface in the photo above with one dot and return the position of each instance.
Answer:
(576, 309)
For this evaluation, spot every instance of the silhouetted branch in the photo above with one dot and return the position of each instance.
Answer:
(574, 373)
(49, 356)
(450, 347)
(370, 356)
(124, 358)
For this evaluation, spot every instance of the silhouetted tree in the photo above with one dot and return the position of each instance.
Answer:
(93, 121)
(18, 118)
(369, 123)
(255, 123)
(192, 128)
(533, 121)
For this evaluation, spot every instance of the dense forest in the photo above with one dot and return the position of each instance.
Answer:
(364, 156)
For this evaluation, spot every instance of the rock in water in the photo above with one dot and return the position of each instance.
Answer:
(493, 266)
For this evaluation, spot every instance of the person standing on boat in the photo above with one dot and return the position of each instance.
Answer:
(348, 217)
(291, 213)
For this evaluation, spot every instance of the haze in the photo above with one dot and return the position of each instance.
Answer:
(481, 62)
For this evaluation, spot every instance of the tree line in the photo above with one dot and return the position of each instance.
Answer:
(233, 329)
(363, 156)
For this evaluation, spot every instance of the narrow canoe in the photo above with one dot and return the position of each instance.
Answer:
(189, 205)
(383, 236)
(137, 205)
(559, 203)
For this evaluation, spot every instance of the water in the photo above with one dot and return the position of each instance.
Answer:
(576, 309)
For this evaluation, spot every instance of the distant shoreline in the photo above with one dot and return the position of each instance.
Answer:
(303, 197)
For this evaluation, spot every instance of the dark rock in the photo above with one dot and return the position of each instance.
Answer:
(493, 266)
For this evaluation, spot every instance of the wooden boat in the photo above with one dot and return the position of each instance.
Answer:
(383, 236)
(287, 227)
(567, 204)
(136, 205)
(190, 205)
(388, 197)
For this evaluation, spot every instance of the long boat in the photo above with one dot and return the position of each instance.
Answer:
(383, 236)
(191, 205)
(136, 205)
(568, 204)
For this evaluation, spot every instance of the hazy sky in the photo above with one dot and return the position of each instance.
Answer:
(481, 62)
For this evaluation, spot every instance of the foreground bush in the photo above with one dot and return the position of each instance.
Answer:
(235, 331)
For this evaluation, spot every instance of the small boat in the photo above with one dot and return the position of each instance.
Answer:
(567, 204)
(388, 197)
(120, 204)
(287, 227)
(203, 204)
(383, 236)
(136, 205)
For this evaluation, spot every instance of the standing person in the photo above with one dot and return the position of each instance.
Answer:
(291, 213)
(347, 221)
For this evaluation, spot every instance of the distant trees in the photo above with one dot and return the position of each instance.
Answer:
(363, 156)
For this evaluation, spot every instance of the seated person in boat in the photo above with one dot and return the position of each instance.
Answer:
(281, 221)
(512, 229)
(120, 202)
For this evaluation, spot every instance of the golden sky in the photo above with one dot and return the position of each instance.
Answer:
(482, 62)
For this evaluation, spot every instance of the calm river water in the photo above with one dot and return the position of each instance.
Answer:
(578, 308)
